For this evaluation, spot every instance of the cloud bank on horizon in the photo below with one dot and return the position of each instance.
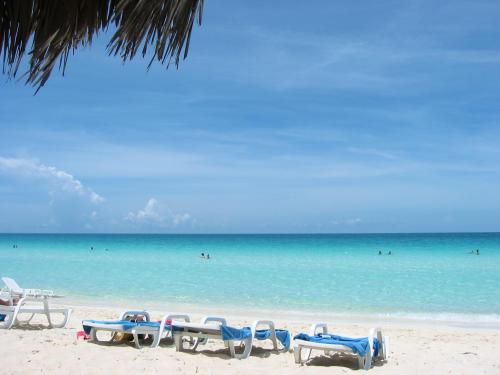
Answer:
(377, 117)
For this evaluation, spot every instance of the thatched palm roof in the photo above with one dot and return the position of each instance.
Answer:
(48, 30)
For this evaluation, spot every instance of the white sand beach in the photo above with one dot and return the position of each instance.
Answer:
(415, 349)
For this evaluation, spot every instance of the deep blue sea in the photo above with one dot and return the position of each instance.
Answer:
(426, 274)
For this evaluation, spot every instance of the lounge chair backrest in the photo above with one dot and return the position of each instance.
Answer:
(12, 285)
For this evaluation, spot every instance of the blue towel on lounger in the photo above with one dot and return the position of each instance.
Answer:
(239, 334)
(127, 325)
(281, 334)
(2, 317)
(359, 345)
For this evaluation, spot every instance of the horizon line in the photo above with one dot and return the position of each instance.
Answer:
(240, 234)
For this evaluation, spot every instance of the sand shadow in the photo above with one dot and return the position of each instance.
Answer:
(223, 353)
(106, 340)
(31, 327)
(339, 360)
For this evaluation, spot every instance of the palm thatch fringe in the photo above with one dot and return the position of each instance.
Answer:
(52, 29)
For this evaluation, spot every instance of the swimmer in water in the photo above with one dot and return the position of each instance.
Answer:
(379, 252)
(389, 253)
(203, 255)
(477, 252)
(208, 256)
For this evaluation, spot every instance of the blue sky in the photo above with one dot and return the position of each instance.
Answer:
(324, 116)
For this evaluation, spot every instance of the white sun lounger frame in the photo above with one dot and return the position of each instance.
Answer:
(209, 329)
(363, 361)
(16, 291)
(18, 297)
(156, 332)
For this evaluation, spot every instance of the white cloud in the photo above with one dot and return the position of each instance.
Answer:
(153, 214)
(180, 218)
(61, 179)
(148, 214)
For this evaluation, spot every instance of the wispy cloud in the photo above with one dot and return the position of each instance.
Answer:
(61, 179)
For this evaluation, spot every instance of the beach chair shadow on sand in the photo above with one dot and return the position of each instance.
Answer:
(334, 360)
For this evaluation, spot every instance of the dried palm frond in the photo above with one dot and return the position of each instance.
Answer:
(49, 30)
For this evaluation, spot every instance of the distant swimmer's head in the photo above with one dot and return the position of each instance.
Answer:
(379, 252)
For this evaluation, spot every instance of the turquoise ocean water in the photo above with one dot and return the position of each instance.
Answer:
(427, 274)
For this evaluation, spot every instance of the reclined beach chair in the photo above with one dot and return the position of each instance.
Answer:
(20, 301)
(368, 349)
(16, 291)
(215, 328)
(135, 322)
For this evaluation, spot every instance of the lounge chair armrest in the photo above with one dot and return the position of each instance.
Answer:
(143, 313)
(181, 317)
(207, 319)
(268, 323)
(316, 326)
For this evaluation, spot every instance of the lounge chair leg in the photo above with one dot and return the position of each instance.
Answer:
(384, 345)
(64, 323)
(297, 352)
(361, 362)
(178, 341)
(93, 335)
(156, 340)
(136, 340)
(195, 343)
(47, 311)
(308, 355)
(230, 344)
(275, 342)
(246, 351)
(9, 320)
(67, 316)
(365, 362)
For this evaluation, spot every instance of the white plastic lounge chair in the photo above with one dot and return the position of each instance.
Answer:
(18, 299)
(210, 329)
(364, 361)
(132, 322)
(15, 290)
